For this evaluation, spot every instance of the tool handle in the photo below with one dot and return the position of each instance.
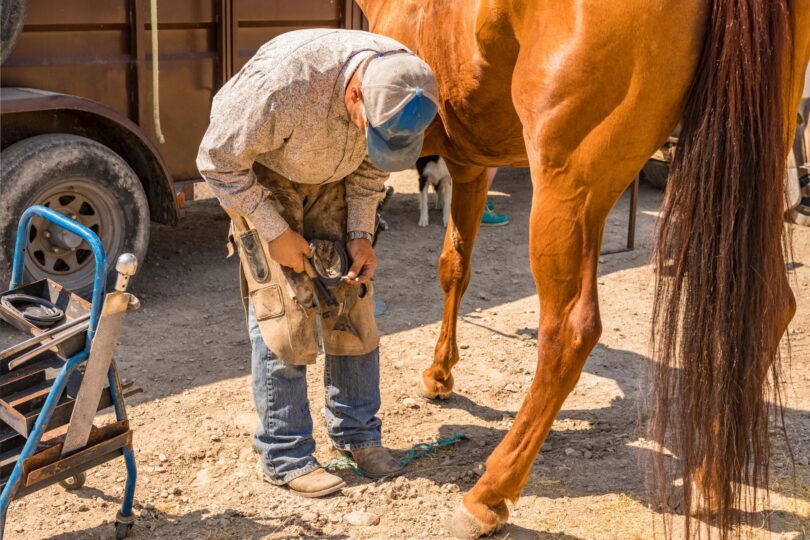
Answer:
(309, 269)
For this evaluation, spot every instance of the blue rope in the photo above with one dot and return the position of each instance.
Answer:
(416, 451)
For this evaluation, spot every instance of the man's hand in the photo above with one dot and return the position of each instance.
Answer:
(364, 261)
(289, 249)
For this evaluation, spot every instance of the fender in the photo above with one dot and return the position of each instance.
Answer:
(27, 112)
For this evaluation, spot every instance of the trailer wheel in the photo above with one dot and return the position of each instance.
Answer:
(656, 174)
(12, 19)
(74, 482)
(83, 180)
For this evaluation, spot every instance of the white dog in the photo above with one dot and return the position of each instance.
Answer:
(433, 172)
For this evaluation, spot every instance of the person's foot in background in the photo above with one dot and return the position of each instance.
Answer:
(491, 218)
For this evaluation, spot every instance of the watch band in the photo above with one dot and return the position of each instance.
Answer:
(355, 235)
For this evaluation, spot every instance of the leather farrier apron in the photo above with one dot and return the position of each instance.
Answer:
(284, 302)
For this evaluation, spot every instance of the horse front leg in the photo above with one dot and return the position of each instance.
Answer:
(469, 194)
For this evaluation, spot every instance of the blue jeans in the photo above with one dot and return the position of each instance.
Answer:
(284, 435)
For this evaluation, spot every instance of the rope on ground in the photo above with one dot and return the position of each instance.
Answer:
(416, 451)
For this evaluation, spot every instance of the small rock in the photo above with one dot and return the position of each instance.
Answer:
(479, 469)
(410, 403)
(361, 519)
(309, 517)
(176, 490)
(546, 447)
(571, 452)
(804, 460)
(588, 454)
(463, 346)
(162, 458)
(202, 478)
(215, 438)
(511, 387)
(246, 422)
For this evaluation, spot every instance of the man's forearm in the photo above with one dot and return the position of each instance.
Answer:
(250, 202)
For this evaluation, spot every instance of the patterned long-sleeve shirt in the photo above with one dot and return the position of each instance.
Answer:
(285, 109)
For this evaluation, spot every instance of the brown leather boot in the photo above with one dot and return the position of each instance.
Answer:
(317, 483)
(376, 462)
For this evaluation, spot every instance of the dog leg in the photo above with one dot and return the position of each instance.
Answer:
(445, 196)
(423, 204)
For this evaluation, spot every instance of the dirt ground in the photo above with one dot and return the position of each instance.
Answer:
(188, 349)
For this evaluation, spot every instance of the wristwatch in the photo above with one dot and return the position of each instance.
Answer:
(356, 235)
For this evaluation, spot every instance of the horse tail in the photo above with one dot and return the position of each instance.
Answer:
(720, 265)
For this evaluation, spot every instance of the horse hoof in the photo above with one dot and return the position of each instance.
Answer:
(462, 524)
(440, 391)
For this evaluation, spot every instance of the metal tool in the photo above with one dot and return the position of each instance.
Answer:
(14, 349)
(109, 326)
(32, 354)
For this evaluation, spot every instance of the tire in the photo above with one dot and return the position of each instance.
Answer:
(74, 482)
(655, 173)
(12, 19)
(82, 179)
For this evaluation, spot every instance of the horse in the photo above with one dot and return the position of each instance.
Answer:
(582, 93)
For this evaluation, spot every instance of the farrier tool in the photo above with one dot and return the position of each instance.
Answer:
(330, 263)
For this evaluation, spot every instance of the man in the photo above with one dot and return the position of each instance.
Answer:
(297, 150)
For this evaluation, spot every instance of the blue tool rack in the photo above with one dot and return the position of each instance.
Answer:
(15, 486)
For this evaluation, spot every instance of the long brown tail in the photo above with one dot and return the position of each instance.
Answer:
(719, 260)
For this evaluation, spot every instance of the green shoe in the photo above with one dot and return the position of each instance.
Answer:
(491, 219)
(490, 206)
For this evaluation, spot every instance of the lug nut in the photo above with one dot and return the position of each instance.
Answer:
(55, 249)
(47, 234)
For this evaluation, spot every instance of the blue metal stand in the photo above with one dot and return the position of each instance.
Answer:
(124, 518)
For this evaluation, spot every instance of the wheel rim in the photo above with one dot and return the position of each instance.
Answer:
(57, 254)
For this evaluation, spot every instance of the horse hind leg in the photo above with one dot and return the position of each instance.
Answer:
(468, 198)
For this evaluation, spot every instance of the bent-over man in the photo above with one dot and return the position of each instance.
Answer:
(298, 149)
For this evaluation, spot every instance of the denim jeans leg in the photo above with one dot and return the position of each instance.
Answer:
(284, 435)
(352, 391)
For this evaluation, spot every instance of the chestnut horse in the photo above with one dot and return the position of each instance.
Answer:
(583, 92)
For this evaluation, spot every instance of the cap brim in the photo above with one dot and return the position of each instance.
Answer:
(389, 157)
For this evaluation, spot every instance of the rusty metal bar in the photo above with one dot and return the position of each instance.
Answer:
(70, 465)
(631, 222)
(41, 337)
(33, 353)
(138, 92)
(20, 380)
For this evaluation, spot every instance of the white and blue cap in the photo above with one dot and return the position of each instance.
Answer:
(400, 97)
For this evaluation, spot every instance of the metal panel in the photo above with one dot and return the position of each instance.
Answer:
(101, 50)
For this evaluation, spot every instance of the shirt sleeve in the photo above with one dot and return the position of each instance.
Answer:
(246, 121)
(365, 188)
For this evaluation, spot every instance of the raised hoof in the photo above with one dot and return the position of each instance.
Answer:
(462, 524)
(435, 389)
